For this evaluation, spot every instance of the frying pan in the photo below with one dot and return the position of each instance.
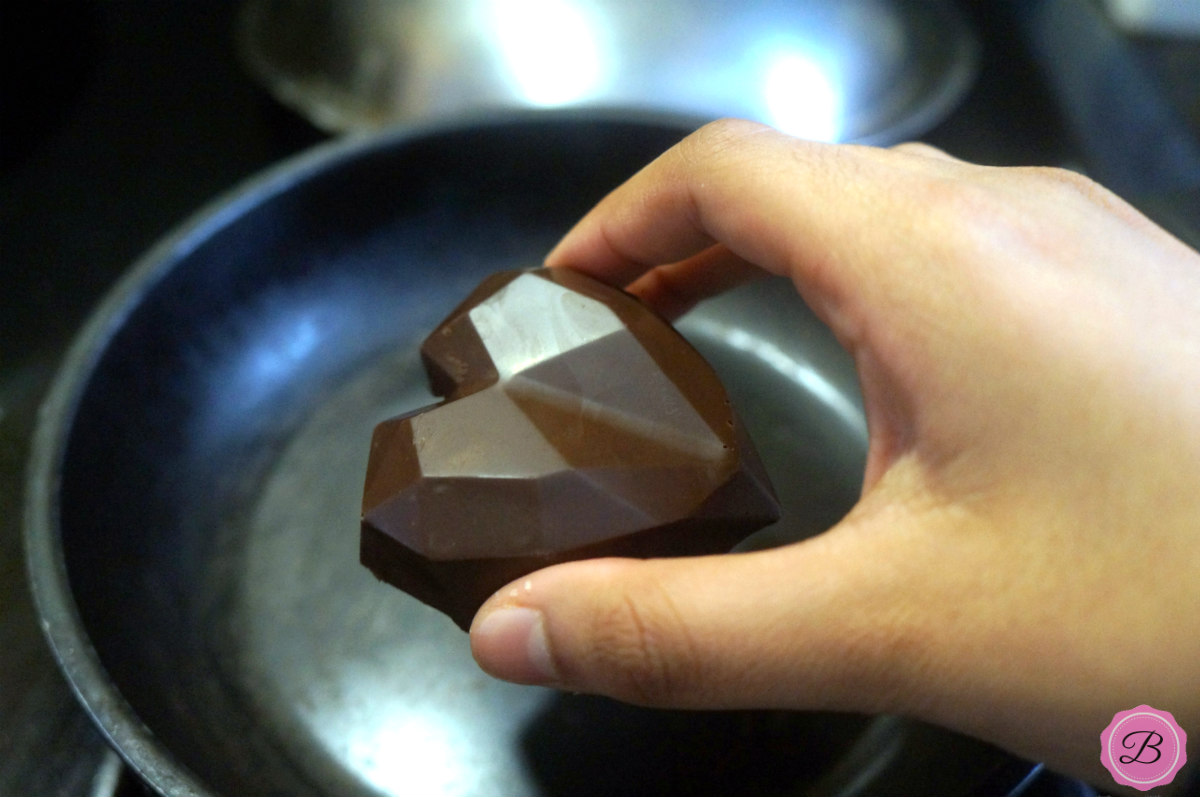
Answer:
(192, 515)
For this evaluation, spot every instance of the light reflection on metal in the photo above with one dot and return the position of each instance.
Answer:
(870, 71)
(410, 752)
(802, 96)
(274, 363)
(548, 49)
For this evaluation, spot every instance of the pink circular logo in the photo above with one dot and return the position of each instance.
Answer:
(1143, 748)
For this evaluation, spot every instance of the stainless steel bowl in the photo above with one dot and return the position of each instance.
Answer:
(870, 71)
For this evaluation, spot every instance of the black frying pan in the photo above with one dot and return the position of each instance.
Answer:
(193, 496)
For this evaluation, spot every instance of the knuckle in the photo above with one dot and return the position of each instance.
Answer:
(1056, 177)
(723, 148)
(644, 653)
(922, 150)
(715, 140)
(1065, 185)
(726, 132)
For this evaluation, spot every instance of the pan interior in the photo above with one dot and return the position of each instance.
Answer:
(214, 467)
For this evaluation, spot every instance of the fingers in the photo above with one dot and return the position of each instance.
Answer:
(734, 193)
(813, 625)
(675, 288)
(677, 207)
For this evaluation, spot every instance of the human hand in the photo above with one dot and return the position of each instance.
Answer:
(1023, 561)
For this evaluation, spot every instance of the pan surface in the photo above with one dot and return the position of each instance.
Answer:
(192, 521)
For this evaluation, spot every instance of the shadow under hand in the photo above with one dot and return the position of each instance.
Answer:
(584, 745)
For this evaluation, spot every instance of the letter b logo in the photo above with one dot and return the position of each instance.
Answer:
(1143, 748)
(1151, 740)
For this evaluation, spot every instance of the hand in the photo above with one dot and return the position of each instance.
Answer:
(1024, 560)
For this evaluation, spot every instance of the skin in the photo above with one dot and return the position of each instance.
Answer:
(1023, 561)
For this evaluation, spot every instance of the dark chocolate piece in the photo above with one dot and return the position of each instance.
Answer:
(576, 423)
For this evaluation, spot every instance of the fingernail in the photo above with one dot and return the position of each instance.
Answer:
(510, 643)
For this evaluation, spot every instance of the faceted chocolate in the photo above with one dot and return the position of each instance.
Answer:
(576, 423)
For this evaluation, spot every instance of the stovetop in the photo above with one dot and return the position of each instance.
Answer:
(121, 117)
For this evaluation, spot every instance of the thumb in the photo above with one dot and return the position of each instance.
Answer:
(812, 625)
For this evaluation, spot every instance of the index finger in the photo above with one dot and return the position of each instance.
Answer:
(814, 212)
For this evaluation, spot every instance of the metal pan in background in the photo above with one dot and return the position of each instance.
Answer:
(193, 496)
(868, 71)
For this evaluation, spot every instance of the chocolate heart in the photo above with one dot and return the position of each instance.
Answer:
(576, 423)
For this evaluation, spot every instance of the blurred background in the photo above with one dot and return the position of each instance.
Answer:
(119, 118)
